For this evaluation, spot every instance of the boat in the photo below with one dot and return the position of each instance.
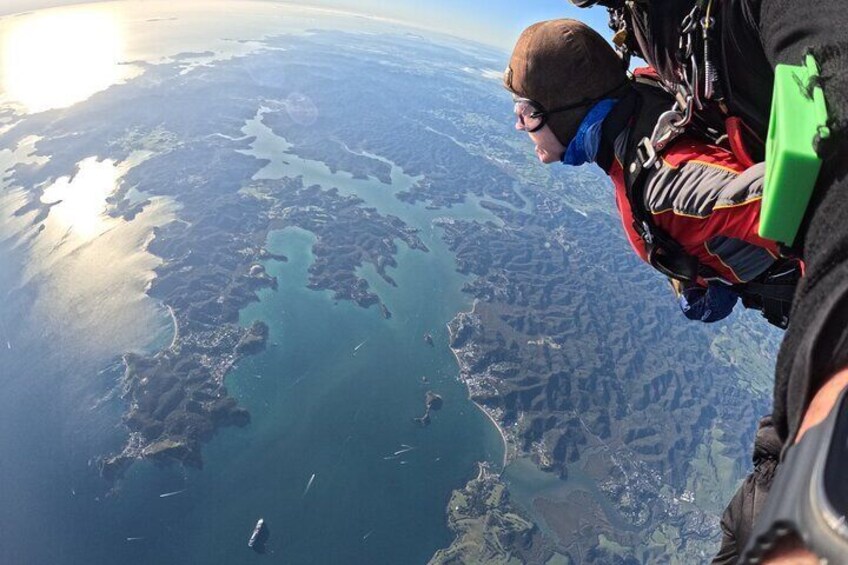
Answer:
(257, 531)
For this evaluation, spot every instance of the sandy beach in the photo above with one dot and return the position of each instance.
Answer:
(500, 431)
(176, 327)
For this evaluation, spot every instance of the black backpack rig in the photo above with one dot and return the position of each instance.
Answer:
(708, 55)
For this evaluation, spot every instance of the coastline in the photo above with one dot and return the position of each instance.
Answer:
(491, 418)
(495, 423)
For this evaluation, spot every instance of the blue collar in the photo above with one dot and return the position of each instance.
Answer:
(584, 147)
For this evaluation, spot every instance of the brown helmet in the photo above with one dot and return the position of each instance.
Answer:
(561, 63)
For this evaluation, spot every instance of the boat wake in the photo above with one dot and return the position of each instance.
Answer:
(174, 493)
(309, 484)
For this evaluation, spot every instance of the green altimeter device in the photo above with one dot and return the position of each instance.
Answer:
(797, 126)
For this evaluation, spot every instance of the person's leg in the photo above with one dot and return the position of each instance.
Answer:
(737, 522)
(816, 344)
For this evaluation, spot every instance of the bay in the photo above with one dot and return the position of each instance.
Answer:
(335, 397)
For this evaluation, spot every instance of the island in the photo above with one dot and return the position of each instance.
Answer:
(212, 260)
(432, 401)
(177, 397)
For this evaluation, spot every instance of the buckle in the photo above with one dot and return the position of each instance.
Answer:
(646, 233)
(645, 153)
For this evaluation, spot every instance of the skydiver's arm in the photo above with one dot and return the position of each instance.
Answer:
(813, 360)
(793, 552)
(823, 402)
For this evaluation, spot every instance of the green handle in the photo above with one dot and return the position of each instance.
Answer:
(798, 120)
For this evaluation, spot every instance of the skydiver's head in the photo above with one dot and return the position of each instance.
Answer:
(558, 70)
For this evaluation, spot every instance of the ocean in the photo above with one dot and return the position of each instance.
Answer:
(333, 395)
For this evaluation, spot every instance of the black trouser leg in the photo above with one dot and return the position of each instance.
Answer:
(737, 522)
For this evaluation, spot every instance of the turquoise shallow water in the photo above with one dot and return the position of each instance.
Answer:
(334, 396)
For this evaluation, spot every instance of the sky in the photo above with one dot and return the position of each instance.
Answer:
(494, 22)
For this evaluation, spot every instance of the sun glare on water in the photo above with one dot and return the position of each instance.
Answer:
(55, 59)
(80, 202)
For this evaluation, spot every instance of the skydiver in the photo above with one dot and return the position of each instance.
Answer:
(574, 99)
(739, 43)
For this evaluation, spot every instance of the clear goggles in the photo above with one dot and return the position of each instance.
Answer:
(531, 116)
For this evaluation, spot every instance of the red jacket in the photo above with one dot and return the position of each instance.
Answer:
(704, 199)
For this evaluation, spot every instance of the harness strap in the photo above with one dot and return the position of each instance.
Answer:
(664, 253)
(702, 99)
(773, 300)
(771, 293)
(735, 125)
(782, 292)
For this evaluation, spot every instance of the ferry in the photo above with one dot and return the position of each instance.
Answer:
(256, 532)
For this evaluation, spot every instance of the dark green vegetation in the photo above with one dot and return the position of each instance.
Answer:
(487, 529)
(579, 351)
(575, 347)
(177, 398)
(349, 236)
